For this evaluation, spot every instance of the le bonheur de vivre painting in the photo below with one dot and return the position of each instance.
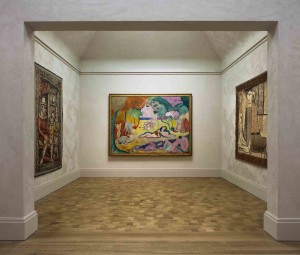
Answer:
(251, 120)
(48, 121)
(150, 125)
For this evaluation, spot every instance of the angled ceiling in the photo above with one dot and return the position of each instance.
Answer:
(231, 44)
(218, 49)
(76, 41)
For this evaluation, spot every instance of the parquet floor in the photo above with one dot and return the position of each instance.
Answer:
(150, 216)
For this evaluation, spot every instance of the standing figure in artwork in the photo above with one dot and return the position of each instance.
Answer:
(53, 135)
(56, 135)
(251, 120)
(242, 144)
(43, 129)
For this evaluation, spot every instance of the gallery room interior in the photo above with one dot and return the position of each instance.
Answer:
(140, 127)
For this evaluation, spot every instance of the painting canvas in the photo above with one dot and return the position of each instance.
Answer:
(150, 125)
(251, 120)
(48, 121)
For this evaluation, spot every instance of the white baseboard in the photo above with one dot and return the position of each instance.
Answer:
(282, 229)
(252, 187)
(163, 172)
(14, 228)
(47, 188)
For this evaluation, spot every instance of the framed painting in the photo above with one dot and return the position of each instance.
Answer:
(48, 121)
(150, 125)
(251, 120)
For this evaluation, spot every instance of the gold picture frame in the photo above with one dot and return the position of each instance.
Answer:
(150, 125)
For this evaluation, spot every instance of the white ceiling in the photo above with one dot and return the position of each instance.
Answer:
(77, 41)
(211, 45)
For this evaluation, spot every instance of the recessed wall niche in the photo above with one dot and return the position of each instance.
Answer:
(207, 65)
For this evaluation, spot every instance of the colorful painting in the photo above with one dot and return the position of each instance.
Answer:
(251, 120)
(48, 121)
(150, 125)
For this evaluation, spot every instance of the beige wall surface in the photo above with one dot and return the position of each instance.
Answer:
(16, 79)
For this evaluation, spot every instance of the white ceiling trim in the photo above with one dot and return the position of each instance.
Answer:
(236, 61)
(55, 54)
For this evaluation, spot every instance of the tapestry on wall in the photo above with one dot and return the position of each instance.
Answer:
(251, 120)
(48, 121)
(150, 125)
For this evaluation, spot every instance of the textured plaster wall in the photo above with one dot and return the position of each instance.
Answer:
(94, 91)
(70, 110)
(16, 69)
(249, 67)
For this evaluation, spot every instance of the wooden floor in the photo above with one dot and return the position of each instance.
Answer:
(150, 216)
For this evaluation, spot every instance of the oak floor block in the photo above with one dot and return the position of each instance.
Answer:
(149, 216)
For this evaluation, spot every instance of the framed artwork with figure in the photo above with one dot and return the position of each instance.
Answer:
(251, 120)
(48, 121)
(150, 125)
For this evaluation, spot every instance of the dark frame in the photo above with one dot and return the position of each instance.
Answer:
(41, 73)
(262, 78)
(110, 150)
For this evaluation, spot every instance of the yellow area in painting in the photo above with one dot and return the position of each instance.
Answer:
(138, 141)
(173, 123)
(141, 129)
(132, 120)
(128, 147)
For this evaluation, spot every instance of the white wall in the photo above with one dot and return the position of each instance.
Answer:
(150, 51)
(70, 162)
(94, 159)
(252, 65)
